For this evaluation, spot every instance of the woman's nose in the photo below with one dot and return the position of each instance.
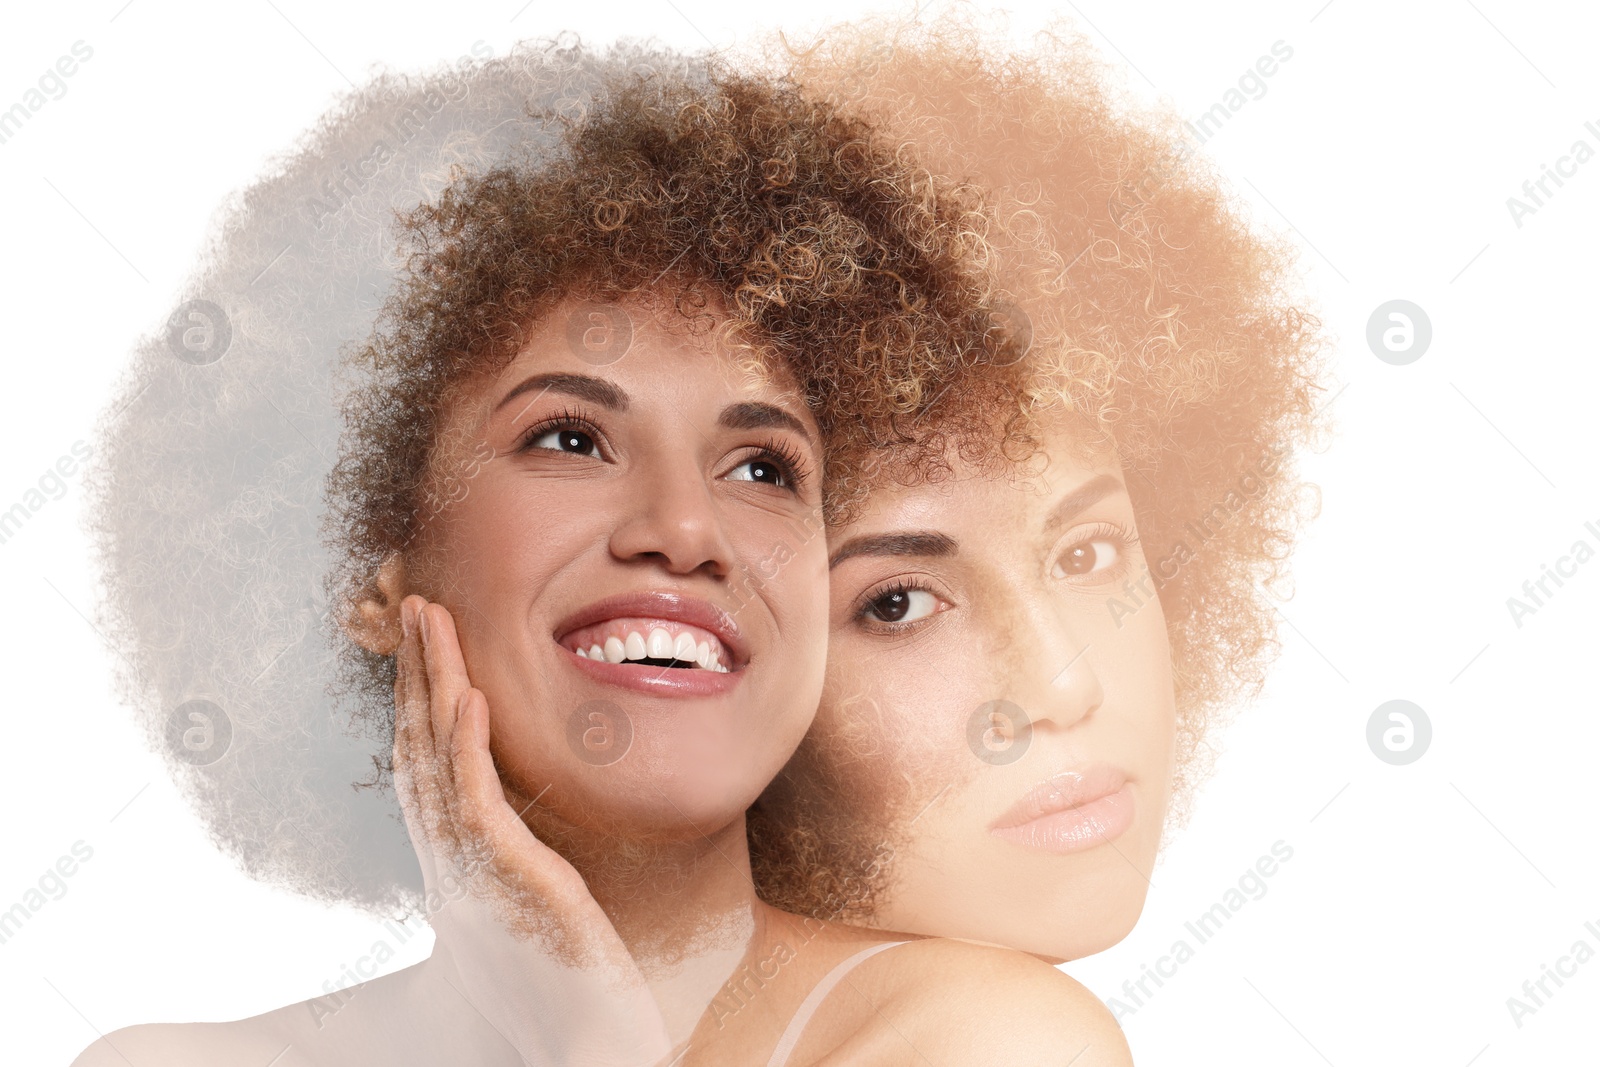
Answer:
(1053, 665)
(669, 516)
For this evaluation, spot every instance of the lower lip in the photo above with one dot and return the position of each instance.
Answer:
(656, 681)
(1075, 829)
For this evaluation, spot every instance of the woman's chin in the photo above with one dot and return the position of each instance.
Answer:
(655, 812)
(1092, 929)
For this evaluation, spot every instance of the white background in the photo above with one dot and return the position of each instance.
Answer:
(1418, 899)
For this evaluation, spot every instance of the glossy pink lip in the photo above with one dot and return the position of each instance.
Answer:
(657, 681)
(1070, 811)
(660, 681)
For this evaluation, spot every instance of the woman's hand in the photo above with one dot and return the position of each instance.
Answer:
(518, 934)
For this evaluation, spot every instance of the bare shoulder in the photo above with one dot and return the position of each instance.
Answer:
(180, 1045)
(964, 1004)
(395, 1019)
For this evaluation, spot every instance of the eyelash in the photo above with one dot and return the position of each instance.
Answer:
(566, 419)
(795, 469)
(793, 465)
(1119, 535)
(1122, 537)
(872, 596)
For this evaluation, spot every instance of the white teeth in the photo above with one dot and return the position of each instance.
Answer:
(660, 643)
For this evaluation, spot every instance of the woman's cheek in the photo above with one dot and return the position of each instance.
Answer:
(849, 723)
(896, 692)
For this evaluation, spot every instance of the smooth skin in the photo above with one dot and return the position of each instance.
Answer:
(667, 471)
(948, 598)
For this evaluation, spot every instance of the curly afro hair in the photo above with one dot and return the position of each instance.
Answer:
(233, 522)
(861, 277)
(1167, 329)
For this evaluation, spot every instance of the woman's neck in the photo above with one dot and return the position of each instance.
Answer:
(687, 912)
(666, 899)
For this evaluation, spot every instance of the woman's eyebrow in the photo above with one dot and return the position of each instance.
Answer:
(1080, 498)
(583, 386)
(918, 543)
(755, 415)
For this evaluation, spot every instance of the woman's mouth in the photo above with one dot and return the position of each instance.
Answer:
(1071, 811)
(657, 642)
(662, 643)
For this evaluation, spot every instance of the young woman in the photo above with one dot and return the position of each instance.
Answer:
(1023, 668)
(576, 515)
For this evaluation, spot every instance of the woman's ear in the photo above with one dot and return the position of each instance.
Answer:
(373, 621)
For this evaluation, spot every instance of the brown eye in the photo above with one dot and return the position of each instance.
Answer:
(761, 470)
(775, 463)
(902, 605)
(566, 439)
(1086, 557)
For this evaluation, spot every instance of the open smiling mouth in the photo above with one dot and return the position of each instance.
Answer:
(662, 643)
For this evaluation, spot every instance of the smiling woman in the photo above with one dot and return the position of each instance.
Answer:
(651, 483)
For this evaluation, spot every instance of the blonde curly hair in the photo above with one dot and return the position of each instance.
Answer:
(1168, 329)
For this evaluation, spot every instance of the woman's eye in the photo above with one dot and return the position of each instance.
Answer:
(767, 471)
(1087, 557)
(902, 605)
(567, 439)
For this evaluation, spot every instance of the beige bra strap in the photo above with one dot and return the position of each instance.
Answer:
(808, 1007)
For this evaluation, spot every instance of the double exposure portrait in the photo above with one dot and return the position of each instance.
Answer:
(927, 535)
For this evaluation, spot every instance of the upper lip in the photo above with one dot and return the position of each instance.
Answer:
(662, 604)
(1063, 790)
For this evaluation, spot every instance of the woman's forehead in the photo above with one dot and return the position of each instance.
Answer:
(979, 495)
(623, 353)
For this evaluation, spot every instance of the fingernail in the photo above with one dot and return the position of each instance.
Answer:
(405, 620)
(422, 626)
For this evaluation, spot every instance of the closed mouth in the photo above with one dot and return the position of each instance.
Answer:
(1064, 791)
